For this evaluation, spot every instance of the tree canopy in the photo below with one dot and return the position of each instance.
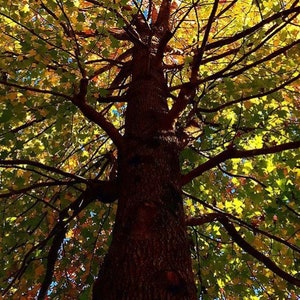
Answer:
(233, 97)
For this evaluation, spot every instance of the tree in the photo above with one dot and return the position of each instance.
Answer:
(161, 135)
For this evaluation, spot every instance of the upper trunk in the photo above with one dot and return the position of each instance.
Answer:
(149, 256)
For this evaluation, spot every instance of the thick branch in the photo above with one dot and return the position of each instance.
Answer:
(120, 78)
(234, 153)
(51, 260)
(76, 207)
(94, 116)
(103, 191)
(203, 219)
(199, 53)
(113, 99)
(223, 219)
(164, 15)
(255, 253)
(58, 233)
(187, 93)
(222, 214)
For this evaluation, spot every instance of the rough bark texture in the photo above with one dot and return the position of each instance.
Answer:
(149, 256)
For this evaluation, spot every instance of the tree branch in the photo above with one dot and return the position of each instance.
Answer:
(104, 191)
(242, 35)
(58, 233)
(237, 238)
(242, 176)
(203, 219)
(255, 253)
(79, 101)
(234, 153)
(199, 53)
(51, 260)
(46, 40)
(255, 229)
(186, 94)
(113, 99)
(243, 99)
(163, 15)
(15, 162)
(222, 73)
(188, 89)
(25, 125)
(258, 62)
(35, 186)
(88, 111)
(32, 89)
(61, 23)
(251, 30)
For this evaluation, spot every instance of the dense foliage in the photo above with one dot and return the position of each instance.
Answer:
(232, 69)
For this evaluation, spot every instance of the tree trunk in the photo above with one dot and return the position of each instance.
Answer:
(149, 255)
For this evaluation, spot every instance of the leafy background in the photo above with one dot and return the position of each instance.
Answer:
(247, 98)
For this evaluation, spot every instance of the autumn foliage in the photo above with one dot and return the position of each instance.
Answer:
(222, 83)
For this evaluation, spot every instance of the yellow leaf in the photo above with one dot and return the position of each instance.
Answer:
(247, 166)
(11, 219)
(221, 283)
(228, 205)
(270, 166)
(216, 229)
(189, 202)
(25, 8)
(76, 3)
(70, 234)
(20, 173)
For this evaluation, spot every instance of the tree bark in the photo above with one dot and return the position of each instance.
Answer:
(149, 256)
